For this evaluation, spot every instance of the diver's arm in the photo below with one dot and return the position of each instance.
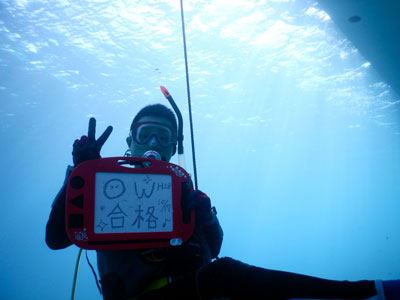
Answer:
(85, 148)
(213, 234)
(56, 235)
(206, 220)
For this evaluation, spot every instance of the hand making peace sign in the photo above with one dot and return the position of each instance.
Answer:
(87, 147)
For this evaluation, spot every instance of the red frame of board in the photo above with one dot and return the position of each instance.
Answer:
(80, 205)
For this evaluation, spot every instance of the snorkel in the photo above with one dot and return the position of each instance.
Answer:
(181, 156)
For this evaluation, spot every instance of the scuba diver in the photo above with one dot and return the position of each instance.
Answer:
(192, 270)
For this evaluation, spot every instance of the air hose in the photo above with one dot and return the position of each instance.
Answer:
(78, 260)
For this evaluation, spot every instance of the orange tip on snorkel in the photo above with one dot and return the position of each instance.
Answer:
(165, 92)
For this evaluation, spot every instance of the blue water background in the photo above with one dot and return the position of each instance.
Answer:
(297, 137)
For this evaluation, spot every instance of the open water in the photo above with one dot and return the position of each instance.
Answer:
(297, 138)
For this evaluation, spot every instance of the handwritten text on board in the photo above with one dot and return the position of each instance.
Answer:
(127, 202)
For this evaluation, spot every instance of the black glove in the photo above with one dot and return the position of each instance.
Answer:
(88, 147)
(201, 204)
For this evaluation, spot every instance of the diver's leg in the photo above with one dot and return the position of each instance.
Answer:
(233, 279)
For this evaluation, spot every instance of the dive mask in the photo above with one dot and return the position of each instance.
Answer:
(144, 131)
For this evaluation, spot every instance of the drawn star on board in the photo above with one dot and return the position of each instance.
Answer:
(147, 179)
(102, 225)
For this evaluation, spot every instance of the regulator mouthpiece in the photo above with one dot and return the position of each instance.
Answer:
(152, 154)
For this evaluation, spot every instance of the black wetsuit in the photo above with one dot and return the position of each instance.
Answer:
(124, 273)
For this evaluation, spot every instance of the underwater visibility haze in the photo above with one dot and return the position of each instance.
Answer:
(297, 137)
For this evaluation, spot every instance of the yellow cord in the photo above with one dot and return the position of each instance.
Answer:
(78, 260)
